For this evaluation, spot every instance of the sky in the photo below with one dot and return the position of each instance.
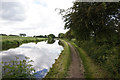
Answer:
(32, 17)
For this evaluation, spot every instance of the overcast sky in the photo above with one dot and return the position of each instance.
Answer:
(33, 17)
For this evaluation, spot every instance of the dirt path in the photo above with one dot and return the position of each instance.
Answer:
(76, 69)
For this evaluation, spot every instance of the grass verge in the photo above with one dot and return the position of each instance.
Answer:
(60, 67)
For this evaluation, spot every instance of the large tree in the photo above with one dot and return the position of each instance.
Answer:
(98, 20)
(22, 34)
(96, 26)
(51, 36)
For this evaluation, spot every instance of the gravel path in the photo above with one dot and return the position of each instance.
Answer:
(76, 69)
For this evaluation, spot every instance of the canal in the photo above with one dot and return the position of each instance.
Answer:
(42, 53)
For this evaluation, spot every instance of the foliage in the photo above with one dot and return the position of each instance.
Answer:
(18, 69)
(8, 44)
(61, 35)
(15, 41)
(92, 70)
(51, 36)
(104, 55)
(50, 41)
(21, 34)
(41, 36)
(96, 28)
(3, 34)
(69, 34)
(93, 20)
(12, 35)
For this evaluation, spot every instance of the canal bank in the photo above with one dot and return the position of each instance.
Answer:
(60, 67)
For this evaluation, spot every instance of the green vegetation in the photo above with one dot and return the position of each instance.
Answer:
(91, 69)
(50, 41)
(22, 34)
(105, 56)
(61, 65)
(18, 69)
(95, 28)
(41, 36)
(11, 38)
(15, 41)
(60, 35)
(51, 38)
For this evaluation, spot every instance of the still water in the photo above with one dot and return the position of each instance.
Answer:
(42, 53)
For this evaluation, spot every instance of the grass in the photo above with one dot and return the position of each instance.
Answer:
(18, 38)
(60, 67)
(15, 41)
(91, 69)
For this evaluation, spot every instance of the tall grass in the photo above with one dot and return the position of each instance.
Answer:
(104, 56)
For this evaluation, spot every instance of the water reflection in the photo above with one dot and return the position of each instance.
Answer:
(50, 41)
(42, 54)
(41, 73)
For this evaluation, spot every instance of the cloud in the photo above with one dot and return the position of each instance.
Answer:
(40, 2)
(12, 11)
(33, 17)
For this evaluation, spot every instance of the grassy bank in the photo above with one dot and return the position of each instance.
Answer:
(15, 41)
(104, 55)
(91, 69)
(61, 65)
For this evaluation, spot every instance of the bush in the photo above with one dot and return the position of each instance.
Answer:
(9, 44)
(104, 54)
(18, 69)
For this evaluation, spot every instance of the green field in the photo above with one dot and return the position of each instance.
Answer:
(18, 38)
(15, 41)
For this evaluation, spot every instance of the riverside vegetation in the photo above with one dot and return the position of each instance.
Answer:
(15, 41)
(95, 30)
(22, 69)
(92, 70)
(18, 69)
(60, 67)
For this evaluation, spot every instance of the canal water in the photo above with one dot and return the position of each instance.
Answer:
(42, 53)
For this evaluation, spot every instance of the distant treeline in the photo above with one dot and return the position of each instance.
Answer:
(38, 36)
(13, 35)
(41, 36)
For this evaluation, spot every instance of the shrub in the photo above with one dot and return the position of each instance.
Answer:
(18, 69)
(104, 54)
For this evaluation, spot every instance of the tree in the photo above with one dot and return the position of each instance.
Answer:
(12, 35)
(51, 36)
(69, 34)
(3, 34)
(45, 36)
(96, 27)
(97, 19)
(40, 36)
(61, 35)
(21, 34)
